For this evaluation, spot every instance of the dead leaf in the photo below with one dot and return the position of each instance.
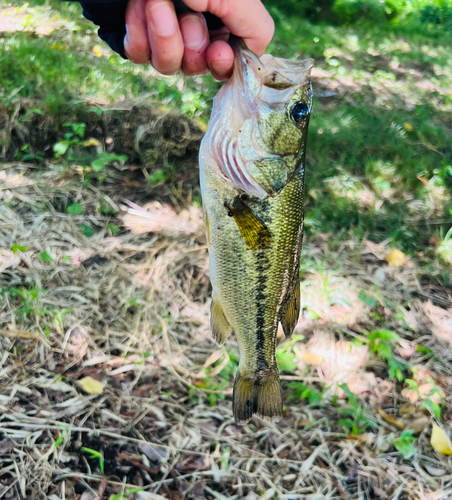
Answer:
(407, 409)
(396, 258)
(215, 356)
(337, 361)
(92, 141)
(312, 359)
(423, 391)
(390, 419)
(441, 321)
(97, 51)
(8, 259)
(91, 385)
(439, 441)
(419, 424)
(408, 127)
(313, 194)
(435, 471)
(158, 218)
(154, 453)
(12, 332)
(88, 495)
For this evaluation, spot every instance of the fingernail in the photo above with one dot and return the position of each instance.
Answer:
(193, 32)
(162, 19)
(126, 37)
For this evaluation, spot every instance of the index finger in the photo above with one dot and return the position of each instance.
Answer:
(246, 19)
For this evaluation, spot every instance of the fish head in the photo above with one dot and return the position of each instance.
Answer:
(258, 129)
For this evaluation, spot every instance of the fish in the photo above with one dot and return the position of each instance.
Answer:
(252, 178)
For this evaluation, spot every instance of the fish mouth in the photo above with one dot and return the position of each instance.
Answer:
(272, 73)
(256, 86)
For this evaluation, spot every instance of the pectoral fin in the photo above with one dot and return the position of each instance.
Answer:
(221, 329)
(290, 320)
(253, 229)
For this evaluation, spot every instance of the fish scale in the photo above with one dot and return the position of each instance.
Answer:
(255, 240)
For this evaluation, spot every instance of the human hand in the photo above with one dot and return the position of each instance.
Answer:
(171, 43)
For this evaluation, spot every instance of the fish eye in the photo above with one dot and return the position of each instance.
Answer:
(299, 111)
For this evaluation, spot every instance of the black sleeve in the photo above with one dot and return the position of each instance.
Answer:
(109, 15)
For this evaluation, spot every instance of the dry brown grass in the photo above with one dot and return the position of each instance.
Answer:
(131, 310)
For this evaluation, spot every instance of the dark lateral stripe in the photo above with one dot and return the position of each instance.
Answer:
(261, 268)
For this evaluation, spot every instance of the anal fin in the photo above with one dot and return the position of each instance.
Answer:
(221, 329)
(290, 320)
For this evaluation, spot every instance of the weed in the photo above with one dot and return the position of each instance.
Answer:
(93, 454)
(113, 228)
(404, 444)
(285, 355)
(157, 177)
(46, 257)
(103, 159)
(88, 231)
(71, 140)
(75, 209)
(302, 391)
(63, 435)
(211, 385)
(382, 343)
(58, 440)
(426, 351)
(444, 248)
(58, 318)
(357, 419)
(26, 153)
(28, 300)
(107, 208)
(125, 495)
(18, 248)
(369, 301)
(427, 403)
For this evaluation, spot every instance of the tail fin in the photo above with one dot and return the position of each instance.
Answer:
(260, 395)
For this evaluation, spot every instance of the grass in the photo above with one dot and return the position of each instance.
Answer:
(379, 156)
(92, 286)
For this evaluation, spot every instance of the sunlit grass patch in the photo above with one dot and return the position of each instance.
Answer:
(383, 95)
(74, 66)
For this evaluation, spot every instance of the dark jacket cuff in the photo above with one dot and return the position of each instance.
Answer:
(110, 17)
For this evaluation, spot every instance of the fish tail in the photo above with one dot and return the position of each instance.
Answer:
(257, 394)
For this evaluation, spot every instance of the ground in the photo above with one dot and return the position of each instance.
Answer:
(110, 383)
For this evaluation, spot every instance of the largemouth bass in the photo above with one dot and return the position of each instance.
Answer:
(252, 171)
